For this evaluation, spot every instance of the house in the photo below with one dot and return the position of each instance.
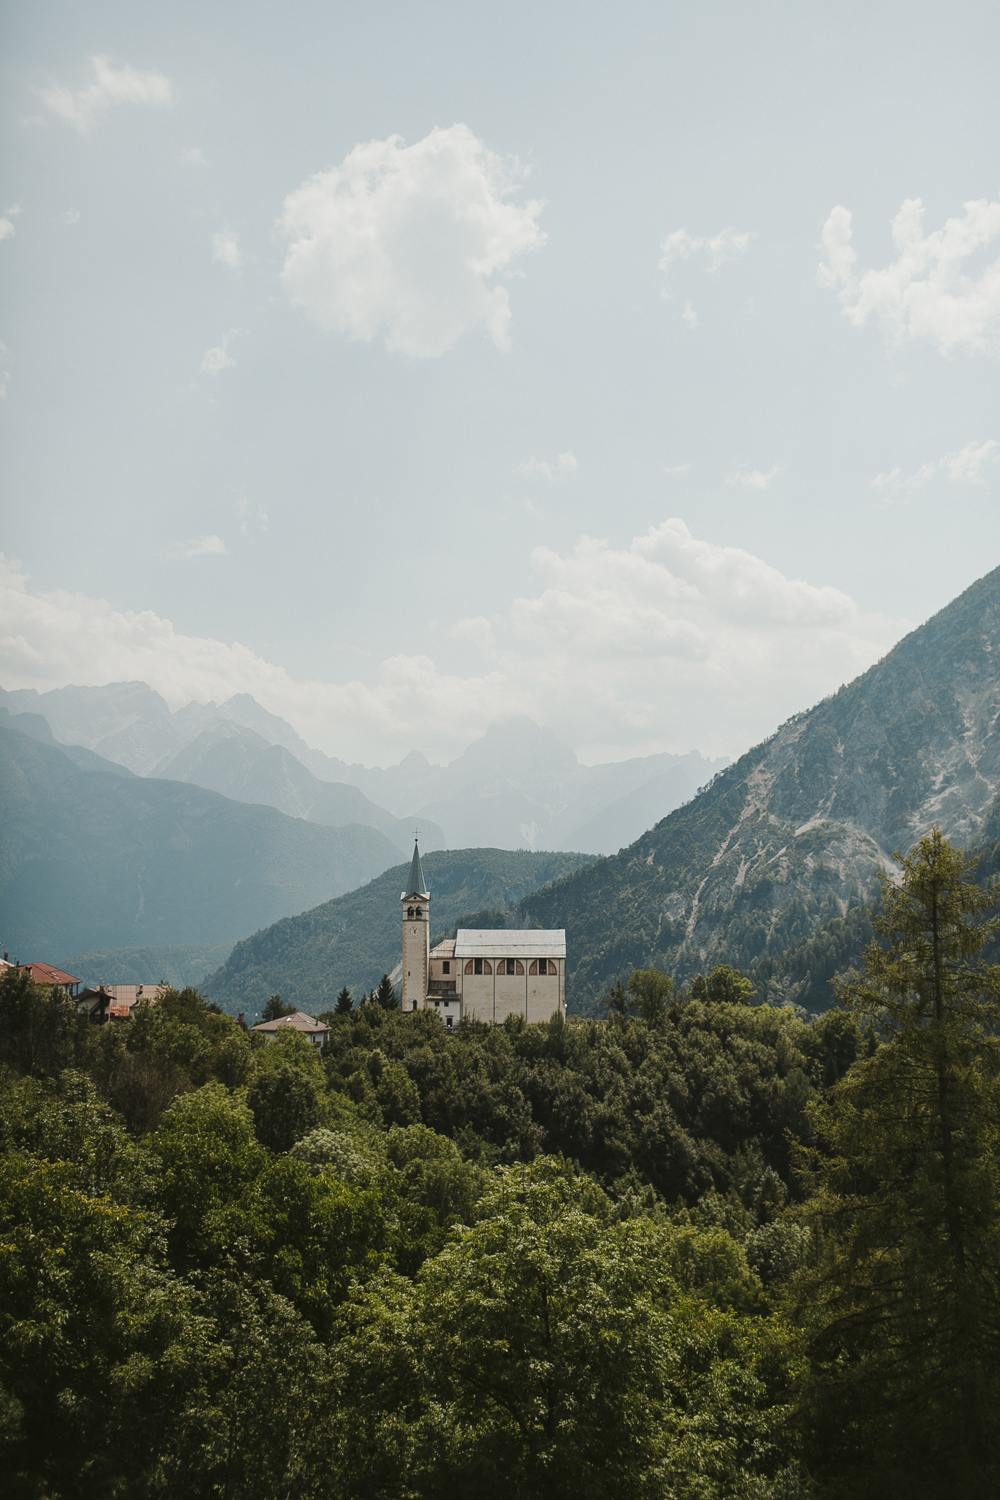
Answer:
(307, 1026)
(482, 973)
(117, 1002)
(49, 974)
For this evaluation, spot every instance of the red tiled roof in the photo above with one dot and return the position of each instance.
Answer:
(47, 974)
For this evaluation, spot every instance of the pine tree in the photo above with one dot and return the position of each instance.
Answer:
(345, 1003)
(902, 1306)
(385, 995)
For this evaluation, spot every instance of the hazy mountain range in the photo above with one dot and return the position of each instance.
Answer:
(772, 866)
(93, 857)
(516, 787)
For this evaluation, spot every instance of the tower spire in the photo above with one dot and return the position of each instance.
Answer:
(415, 885)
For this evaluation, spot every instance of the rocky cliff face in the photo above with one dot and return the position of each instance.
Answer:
(792, 835)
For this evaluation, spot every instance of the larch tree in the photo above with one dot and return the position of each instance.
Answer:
(902, 1302)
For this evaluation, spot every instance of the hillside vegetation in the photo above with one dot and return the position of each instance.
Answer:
(94, 859)
(356, 938)
(789, 839)
(701, 1250)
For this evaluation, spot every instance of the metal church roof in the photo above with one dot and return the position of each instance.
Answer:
(529, 942)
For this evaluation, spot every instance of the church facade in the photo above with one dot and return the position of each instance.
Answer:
(481, 973)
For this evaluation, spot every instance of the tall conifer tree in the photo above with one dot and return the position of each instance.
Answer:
(903, 1302)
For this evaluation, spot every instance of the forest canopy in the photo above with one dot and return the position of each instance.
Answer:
(670, 1251)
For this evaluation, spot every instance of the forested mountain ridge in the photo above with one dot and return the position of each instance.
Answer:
(792, 835)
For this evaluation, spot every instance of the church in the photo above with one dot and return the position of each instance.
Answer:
(481, 973)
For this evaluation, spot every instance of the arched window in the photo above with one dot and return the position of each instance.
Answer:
(469, 969)
(553, 967)
(409, 911)
(419, 912)
(519, 967)
(533, 966)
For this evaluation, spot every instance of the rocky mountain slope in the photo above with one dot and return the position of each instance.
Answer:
(94, 859)
(788, 840)
(355, 939)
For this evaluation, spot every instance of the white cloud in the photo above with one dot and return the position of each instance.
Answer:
(678, 469)
(402, 240)
(6, 229)
(72, 216)
(728, 244)
(225, 248)
(925, 292)
(218, 358)
(966, 465)
(565, 465)
(689, 316)
(193, 154)
(667, 643)
(477, 631)
(109, 85)
(754, 479)
(203, 546)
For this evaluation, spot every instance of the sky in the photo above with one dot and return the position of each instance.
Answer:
(410, 366)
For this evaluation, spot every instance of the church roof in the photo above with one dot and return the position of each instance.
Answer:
(528, 942)
(415, 885)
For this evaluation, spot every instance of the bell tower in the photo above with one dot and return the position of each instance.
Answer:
(416, 936)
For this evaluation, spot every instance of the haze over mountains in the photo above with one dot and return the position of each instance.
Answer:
(91, 857)
(772, 866)
(516, 787)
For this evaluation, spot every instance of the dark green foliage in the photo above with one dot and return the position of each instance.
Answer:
(276, 1008)
(355, 938)
(902, 1304)
(284, 1107)
(386, 995)
(345, 1003)
(40, 1032)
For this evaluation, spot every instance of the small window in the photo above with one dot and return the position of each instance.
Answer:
(446, 966)
(533, 966)
(419, 913)
(468, 967)
(487, 966)
(479, 965)
(518, 967)
(553, 966)
(409, 911)
(447, 1022)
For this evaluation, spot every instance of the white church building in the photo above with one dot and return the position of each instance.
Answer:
(481, 973)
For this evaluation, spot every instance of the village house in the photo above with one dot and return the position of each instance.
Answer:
(313, 1030)
(483, 973)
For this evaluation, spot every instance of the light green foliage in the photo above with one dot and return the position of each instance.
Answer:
(724, 986)
(903, 1301)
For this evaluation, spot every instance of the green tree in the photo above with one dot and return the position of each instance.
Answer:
(40, 1032)
(275, 1009)
(652, 994)
(345, 1003)
(724, 986)
(284, 1107)
(385, 995)
(903, 1304)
